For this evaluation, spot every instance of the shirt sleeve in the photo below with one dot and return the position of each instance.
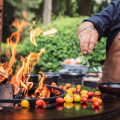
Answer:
(102, 21)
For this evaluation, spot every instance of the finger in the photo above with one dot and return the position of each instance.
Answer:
(86, 38)
(93, 41)
(81, 42)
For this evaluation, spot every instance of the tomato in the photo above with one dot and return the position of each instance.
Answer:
(90, 93)
(60, 87)
(40, 102)
(67, 61)
(54, 84)
(96, 103)
(97, 93)
(59, 100)
(84, 95)
(78, 86)
(68, 85)
(84, 92)
(69, 91)
(94, 99)
(84, 105)
(77, 98)
(68, 98)
(78, 90)
(73, 89)
(59, 107)
(99, 100)
(25, 103)
(84, 99)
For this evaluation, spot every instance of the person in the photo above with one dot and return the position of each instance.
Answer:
(104, 24)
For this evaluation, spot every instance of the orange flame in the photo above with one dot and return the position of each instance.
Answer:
(12, 42)
(36, 32)
(42, 91)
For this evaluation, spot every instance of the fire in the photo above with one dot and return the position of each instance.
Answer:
(42, 91)
(21, 77)
(36, 32)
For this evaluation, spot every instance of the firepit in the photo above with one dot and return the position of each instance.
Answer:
(31, 100)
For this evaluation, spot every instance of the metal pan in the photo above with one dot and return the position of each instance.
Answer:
(69, 73)
(110, 88)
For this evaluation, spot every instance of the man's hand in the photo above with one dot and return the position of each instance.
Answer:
(88, 37)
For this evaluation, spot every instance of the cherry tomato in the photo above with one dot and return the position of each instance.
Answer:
(68, 85)
(84, 99)
(25, 103)
(60, 87)
(94, 99)
(77, 98)
(96, 104)
(78, 86)
(97, 93)
(40, 102)
(59, 107)
(90, 93)
(68, 99)
(84, 92)
(73, 89)
(69, 91)
(59, 100)
(100, 100)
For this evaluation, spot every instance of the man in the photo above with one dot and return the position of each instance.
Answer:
(104, 24)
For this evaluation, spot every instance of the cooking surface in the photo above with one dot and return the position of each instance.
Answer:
(110, 109)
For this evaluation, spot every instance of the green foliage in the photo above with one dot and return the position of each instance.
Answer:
(65, 44)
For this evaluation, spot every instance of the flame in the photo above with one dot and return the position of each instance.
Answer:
(12, 42)
(36, 32)
(21, 77)
(50, 32)
(42, 91)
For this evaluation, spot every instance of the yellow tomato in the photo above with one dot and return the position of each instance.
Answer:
(68, 99)
(77, 98)
(25, 103)
(84, 92)
(69, 91)
(68, 105)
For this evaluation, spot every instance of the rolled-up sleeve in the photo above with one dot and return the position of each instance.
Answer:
(102, 21)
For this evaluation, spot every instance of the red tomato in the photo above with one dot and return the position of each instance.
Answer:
(59, 107)
(90, 93)
(59, 100)
(96, 103)
(84, 99)
(60, 87)
(40, 102)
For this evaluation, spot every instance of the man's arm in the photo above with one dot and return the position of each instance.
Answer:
(88, 36)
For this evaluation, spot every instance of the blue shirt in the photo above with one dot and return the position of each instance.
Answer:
(107, 22)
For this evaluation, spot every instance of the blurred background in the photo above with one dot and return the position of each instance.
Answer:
(63, 15)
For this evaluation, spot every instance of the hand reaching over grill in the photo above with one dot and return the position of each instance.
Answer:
(88, 37)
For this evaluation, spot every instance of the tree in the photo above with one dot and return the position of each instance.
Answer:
(47, 11)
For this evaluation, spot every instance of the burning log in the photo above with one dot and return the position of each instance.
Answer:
(6, 92)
